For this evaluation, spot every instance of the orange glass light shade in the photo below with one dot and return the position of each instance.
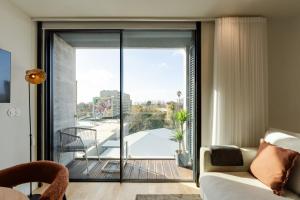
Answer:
(35, 76)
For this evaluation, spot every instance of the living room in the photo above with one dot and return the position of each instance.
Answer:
(149, 99)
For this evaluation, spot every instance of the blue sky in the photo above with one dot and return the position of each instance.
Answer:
(149, 74)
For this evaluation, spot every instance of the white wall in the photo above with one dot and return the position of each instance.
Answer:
(207, 62)
(284, 73)
(17, 35)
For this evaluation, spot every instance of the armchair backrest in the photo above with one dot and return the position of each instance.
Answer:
(75, 137)
(68, 135)
(39, 171)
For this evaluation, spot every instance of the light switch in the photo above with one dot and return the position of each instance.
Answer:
(11, 112)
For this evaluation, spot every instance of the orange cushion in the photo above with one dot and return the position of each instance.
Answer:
(272, 166)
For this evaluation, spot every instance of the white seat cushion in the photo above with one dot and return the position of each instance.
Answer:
(283, 139)
(237, 186)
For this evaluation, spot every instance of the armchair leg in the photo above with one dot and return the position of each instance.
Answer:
(98, 151)
(87, 163)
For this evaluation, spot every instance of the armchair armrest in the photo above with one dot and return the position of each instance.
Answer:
(206, 166)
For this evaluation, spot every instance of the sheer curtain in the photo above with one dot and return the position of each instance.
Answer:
(240, 90)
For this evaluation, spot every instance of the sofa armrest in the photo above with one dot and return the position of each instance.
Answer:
(206, 166)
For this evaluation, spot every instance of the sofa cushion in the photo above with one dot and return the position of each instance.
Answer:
(288, 140)
(206, 165)
(272, 166)
(283, 139)
(237, 186)
(226, 155)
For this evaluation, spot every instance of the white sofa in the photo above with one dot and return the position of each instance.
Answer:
(236, 183)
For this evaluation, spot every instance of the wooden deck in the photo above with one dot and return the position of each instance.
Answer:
(134, 170)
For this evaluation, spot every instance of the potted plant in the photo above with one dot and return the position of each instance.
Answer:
(181, 117)
(178, 137)
(181, 156)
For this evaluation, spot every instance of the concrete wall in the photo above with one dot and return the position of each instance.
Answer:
(17, 35)
(284, 73)
(64, 90)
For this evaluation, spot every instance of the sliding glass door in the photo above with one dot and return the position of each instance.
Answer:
(122, 104)
(157, 136)
(86, 104)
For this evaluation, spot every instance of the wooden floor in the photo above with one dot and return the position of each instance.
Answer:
(134, 170)
(123, 191)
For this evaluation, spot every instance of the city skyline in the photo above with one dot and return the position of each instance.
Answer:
(135, 103)
(160, 77)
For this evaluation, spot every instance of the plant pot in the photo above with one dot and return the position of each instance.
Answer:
(181, 159)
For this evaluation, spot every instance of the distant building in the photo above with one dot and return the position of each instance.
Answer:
(107, 105)
(84, 110)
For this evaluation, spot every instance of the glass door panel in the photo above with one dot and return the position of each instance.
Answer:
(86, 104)
(157, 136)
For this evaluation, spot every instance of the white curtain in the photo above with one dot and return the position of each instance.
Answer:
(240, 90)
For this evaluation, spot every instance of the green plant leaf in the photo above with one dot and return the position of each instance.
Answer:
(177, 136)
(181, 116)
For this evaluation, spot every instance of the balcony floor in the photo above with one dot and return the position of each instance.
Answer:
(135, 169)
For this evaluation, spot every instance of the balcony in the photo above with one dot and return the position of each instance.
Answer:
(147, 155)
(135, 169)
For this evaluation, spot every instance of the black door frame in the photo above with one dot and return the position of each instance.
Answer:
(45, 104)
(198, 102)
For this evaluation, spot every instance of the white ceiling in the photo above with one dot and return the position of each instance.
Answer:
(158, 8)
